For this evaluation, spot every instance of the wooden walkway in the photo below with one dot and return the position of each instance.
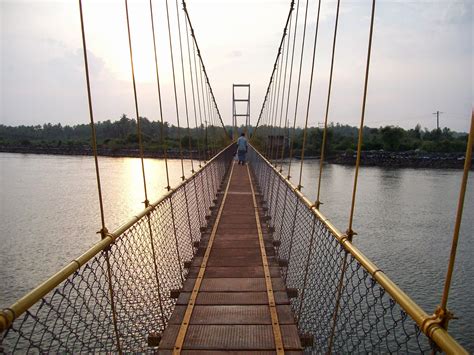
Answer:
(234, 299)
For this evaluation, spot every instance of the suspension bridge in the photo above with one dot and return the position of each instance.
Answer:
(235, 258)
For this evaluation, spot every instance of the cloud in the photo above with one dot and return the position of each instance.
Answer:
(458, 12)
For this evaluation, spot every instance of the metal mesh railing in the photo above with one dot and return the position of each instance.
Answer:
(121, 295)
(340, 305)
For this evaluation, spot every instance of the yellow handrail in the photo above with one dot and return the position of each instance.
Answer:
(426, 323)
(8, 315)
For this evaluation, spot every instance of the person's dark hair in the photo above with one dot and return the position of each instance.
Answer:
(242, 134)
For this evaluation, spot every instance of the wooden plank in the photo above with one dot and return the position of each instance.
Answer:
(232, 314)
(237, 271)
(229, 284)
(233, 298)
(231, 337)
(235, 261)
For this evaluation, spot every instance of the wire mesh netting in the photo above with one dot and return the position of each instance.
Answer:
(134, 275)
(339, 304)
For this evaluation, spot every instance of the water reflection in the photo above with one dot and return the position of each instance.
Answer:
(50, 210)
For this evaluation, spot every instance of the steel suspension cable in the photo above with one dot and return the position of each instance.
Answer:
(361, 127)
(283, 97)
(188, 129)
(205, 112)
(192, 90)
(442, 311)
(203, 66)
(201, 127)
(175, 90)
(92, 123)
(308, 258)
(350, 233)
(287, 123)
(270, 114)
(274, 65)
(274, 121)
(298, 86)
(323, 143)
(199, 206)
(173, 218)
(184, 86)
(268, 117)
(205, 187)
(284, 210)
(135, 96)
(210, 123)
(284, 129)
(103, 231)
(309, 93)
(150, 229)
(275, 113)
(158, 87)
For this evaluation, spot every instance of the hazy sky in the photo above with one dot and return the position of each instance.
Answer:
(422, 59)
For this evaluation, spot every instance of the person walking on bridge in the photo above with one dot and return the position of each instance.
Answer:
(242, 148)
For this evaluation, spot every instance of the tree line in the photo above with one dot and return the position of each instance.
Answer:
(115, 135)
(123, 134)
(343, 138)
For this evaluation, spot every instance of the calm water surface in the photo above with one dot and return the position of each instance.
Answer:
(404, 220)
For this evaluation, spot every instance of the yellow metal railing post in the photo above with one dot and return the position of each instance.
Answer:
(442, 312)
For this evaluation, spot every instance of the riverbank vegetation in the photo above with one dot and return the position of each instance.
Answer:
(121, 135)
(343, 138)
(115, 136)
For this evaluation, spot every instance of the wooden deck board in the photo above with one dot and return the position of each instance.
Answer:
(233, 298)
(231, 337)
(231, 313)
(236, 271)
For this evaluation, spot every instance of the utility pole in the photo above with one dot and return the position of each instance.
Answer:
(437, 113)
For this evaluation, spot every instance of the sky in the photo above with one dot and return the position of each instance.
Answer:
(422, 59)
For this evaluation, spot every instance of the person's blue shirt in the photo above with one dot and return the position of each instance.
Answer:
(242, 144)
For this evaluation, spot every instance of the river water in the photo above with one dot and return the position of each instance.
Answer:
(404, 219)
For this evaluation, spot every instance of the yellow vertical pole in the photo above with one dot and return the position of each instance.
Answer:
(103, 230)
(442, 310)
(350, 233)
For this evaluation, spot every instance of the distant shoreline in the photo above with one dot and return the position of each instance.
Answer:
(104, 152)
(411, 159)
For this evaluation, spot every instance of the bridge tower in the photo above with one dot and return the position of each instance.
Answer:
(240, 107)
